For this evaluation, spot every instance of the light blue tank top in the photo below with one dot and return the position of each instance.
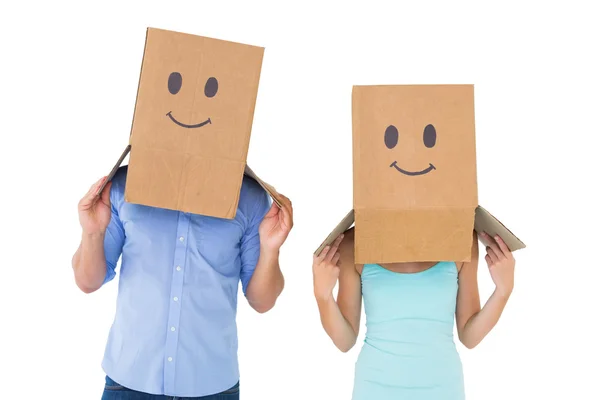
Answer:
(409, 350)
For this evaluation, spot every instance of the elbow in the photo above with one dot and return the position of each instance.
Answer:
(85, 288)
(346, 346)
(83, 284)
(469, 343)
(263, 308)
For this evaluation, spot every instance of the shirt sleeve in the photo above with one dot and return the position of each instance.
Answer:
(250, 246)
(114, 239)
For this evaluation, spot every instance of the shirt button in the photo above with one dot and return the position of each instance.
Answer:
(170, 359)
(181, 238)
(175, 298)
(172, 329)
(178, 268)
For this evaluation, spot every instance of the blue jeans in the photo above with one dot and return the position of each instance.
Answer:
(114, 391)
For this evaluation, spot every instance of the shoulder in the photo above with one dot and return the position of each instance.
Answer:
(253, 198)
(117, 190)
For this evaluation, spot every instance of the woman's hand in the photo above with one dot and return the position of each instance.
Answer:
(501, 264)
(326, 270)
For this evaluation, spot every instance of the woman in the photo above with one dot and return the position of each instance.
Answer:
(409, 350)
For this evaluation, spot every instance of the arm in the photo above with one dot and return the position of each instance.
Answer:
(266, 282)
(340, 319)
(101, 231)
(473, 322)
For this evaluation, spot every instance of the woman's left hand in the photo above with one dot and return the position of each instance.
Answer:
(501, 264)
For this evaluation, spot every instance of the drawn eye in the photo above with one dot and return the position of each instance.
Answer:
(175, 81)
(429, 136)
(391, 137)
(211, 87)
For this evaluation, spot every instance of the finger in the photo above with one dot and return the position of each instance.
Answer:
(491, 254)
(336, 258)
(323, 254)
(94, 188)
(287, 205)
(494, 247)
(334, 248)
(106, 194)
(90, 197)
(505, 250)
(272, 211)
(288, 220)
(488, 260)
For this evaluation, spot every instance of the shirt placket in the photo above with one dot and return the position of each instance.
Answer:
(175, 302)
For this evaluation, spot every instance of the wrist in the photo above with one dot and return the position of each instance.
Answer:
(503, 292)
(269, 252)
(324, 298)
(93, 236)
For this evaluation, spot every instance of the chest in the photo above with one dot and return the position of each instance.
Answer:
(426, 294)
(155, 231)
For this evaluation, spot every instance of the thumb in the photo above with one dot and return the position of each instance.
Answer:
(272, 211)
(90, 197)
(106, 194)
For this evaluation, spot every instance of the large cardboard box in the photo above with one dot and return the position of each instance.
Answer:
(191, 125)
(415, 178)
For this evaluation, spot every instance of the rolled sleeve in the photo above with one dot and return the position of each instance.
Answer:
(114, 239)
(250, 246)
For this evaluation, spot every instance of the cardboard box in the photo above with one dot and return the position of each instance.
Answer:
(192, 123)
(415, 179)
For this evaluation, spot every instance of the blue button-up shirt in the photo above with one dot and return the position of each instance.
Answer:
(174, 331)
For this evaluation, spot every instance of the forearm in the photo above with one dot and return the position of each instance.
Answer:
(337, 327)
(481, 323)
(266, 283)
(89, 263)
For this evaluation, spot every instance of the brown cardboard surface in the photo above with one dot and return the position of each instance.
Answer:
(192, 123)
(486, 222)
(415, 191)
(112, 173)
(342, 227)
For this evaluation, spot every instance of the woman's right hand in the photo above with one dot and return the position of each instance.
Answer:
(94, 210)
(326, 270)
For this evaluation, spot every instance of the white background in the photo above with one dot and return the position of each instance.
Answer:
(69, 75)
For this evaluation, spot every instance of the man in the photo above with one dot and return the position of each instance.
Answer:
(174, 332)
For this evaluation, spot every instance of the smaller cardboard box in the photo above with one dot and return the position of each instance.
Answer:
(192, 123)
(414, 176)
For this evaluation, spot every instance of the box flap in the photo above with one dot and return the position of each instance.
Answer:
(114, 170)
(486, 222)
(342, 227)
(270, 189)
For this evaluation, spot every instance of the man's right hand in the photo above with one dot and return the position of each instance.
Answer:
(94, 210)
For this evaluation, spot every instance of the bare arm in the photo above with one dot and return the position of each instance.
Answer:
(89, 263)
(473, 322)
(267, 281)
(340, 319)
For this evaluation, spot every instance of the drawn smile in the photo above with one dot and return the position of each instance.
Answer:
(425, 171)
(188, 126)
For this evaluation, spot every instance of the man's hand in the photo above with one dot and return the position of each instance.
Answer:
(276, 225)
(94, 211)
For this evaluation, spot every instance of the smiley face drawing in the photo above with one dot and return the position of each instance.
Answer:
(429, 138)
(413, 146)
(174, 85)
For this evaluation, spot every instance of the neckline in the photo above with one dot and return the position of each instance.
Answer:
(408, 273)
